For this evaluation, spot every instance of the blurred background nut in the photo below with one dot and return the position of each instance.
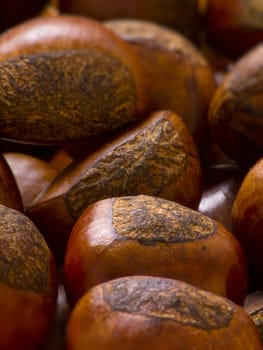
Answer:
(156, 157)
(180, 15)
(234, 27)
(236, 112)
(10, 195)
(32, 175)
(66, 77)
(145, 235)
(178, 75)
(221, 184)
(151, 313)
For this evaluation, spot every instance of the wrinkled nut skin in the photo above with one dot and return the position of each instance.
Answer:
(182, 16)
(32, 175)
(254, 307)
(150, 313)
(236, 111)
(27, 283)
(13, 12)
(247, 216)
(179, 77)
(146, 235)
(10, 195)
(79, 77)
(234, 27)
(156, 157)
(71, 98)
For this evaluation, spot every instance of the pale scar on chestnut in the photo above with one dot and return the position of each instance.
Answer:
(156, 147)
(161, 299)
(149, 219)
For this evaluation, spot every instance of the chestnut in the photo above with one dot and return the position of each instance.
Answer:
(151, 313)
(32, 175)
(179, 77)
(28, 286)
(235, 115)
(145, 235)
(221, 184)
(182, 16)
(56, 340)
(10, 195)
(60, 160)
(156, 157)
(247, 217)
(233, 27)
(65, 78)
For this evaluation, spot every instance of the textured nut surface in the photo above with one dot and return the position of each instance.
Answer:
(179, 76)
(156, 157)
(146, 235)
(27, 283)
(64, 95)
(154, 313)
(236, 113)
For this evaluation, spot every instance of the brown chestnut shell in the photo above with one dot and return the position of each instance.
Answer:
(150, 313)
(145, 235)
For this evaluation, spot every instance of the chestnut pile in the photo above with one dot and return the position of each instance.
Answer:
(131, 175)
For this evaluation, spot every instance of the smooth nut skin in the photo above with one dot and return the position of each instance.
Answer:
(179, 77)
(234, 27)
(32, 175)
(150, 313)
(27, 283)
(64, 78)
(13, 12)
(236, 111)
(155, 157)
(56, 339)
(247, 215)
(183, 16)
(10, 195)
(221, 184)
(144, 235)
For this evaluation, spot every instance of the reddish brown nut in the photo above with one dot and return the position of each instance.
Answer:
(247, 216)
(221, 184)
(64, 78)
(233, 27)
(144, 235)
(60, 160)
(28, 283)
(13, 12)
(150, 313)
(9, 192)
(183, 16)
(156, 157)
(32, 175)
(236, 112)
(56, 340)
(179, 77)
